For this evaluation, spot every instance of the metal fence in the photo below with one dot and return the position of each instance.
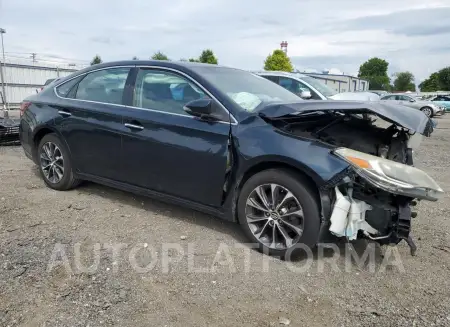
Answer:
(23, 79)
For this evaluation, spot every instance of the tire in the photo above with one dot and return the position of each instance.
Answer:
(66, 180)
(304, 196)
(427, 111)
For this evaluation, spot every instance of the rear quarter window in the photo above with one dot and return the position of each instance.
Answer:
(64, 89)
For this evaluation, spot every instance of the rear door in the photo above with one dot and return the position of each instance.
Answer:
(91, 122)
(167, 150)
(391, 99)
(404, 100)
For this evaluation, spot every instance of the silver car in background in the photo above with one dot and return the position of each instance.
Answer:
(309, 88)
(427, 107)
(306, 87)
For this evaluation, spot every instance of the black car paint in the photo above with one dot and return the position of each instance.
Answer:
(177, 158)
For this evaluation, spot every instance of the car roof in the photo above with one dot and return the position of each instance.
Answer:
(177, 65)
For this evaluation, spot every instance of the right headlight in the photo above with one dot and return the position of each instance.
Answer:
(392, 176)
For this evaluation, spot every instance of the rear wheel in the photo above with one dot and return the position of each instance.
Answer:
(278, 210)
(54, 164)
(427, 111)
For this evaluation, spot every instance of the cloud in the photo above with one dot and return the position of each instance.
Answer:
(414, 22)
(409, 34)
(101, 39)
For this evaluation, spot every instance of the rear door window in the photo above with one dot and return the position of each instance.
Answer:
(106, 85)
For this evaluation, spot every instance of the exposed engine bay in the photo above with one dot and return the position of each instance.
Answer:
(361, 207)
(354, 131)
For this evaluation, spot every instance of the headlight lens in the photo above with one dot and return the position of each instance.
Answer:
(392, 176)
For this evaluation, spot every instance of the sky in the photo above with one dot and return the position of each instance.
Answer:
(322, 34)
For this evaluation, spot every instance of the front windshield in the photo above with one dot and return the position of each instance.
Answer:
(247, 90)
(319, 86)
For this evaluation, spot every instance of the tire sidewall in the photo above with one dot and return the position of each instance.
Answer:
(424, 109)
(64, 183)
(301, 190)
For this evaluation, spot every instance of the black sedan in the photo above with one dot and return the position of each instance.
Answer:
(233, 144)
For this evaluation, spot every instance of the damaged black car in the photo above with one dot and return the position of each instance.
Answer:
(235, 145)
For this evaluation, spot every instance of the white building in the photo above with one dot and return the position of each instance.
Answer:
(341, 83)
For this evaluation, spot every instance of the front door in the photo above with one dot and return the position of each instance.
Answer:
(91, 122)
(167, 150)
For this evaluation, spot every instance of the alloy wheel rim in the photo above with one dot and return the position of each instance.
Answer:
(274, 216)
(52, 162)
(427, 112)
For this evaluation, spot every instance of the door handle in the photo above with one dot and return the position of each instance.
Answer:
(133, 126)
(64, 113)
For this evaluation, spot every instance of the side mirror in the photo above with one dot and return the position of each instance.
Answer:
(199, 108)
(305, 94)
(412, 100)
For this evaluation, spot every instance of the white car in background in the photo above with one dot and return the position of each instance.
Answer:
(309, 88)
(357, 96)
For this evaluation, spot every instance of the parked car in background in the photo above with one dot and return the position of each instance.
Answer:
(47, 82)
(427, 107)
(235, 145)
(442, 100)
(356, 96)
(381, 93)
(309, 88)
(306, 87)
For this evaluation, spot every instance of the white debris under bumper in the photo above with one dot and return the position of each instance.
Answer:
(348, 216)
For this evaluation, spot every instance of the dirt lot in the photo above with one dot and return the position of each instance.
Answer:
(41, 228)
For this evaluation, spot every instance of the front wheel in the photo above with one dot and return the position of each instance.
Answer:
(427, 111)
(278, 210)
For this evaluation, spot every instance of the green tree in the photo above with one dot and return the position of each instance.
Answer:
(207, 57)
(431, 84)
(375, 70)
(159, 56)
(96, 60)
(444, 79)
(404, 81)
(193, 60)
(278, 60)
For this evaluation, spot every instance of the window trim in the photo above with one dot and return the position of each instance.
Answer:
(233, 119)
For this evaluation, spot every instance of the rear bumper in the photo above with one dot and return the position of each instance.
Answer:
(28, 154)
(26, 139)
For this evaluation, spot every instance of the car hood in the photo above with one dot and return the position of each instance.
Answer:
(406, 117)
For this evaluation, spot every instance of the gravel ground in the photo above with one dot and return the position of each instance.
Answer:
(57, 267)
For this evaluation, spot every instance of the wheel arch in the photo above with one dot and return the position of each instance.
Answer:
(39, 134)
(307, 176)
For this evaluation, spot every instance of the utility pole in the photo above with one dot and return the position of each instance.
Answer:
(33, 56)
(2, 65)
